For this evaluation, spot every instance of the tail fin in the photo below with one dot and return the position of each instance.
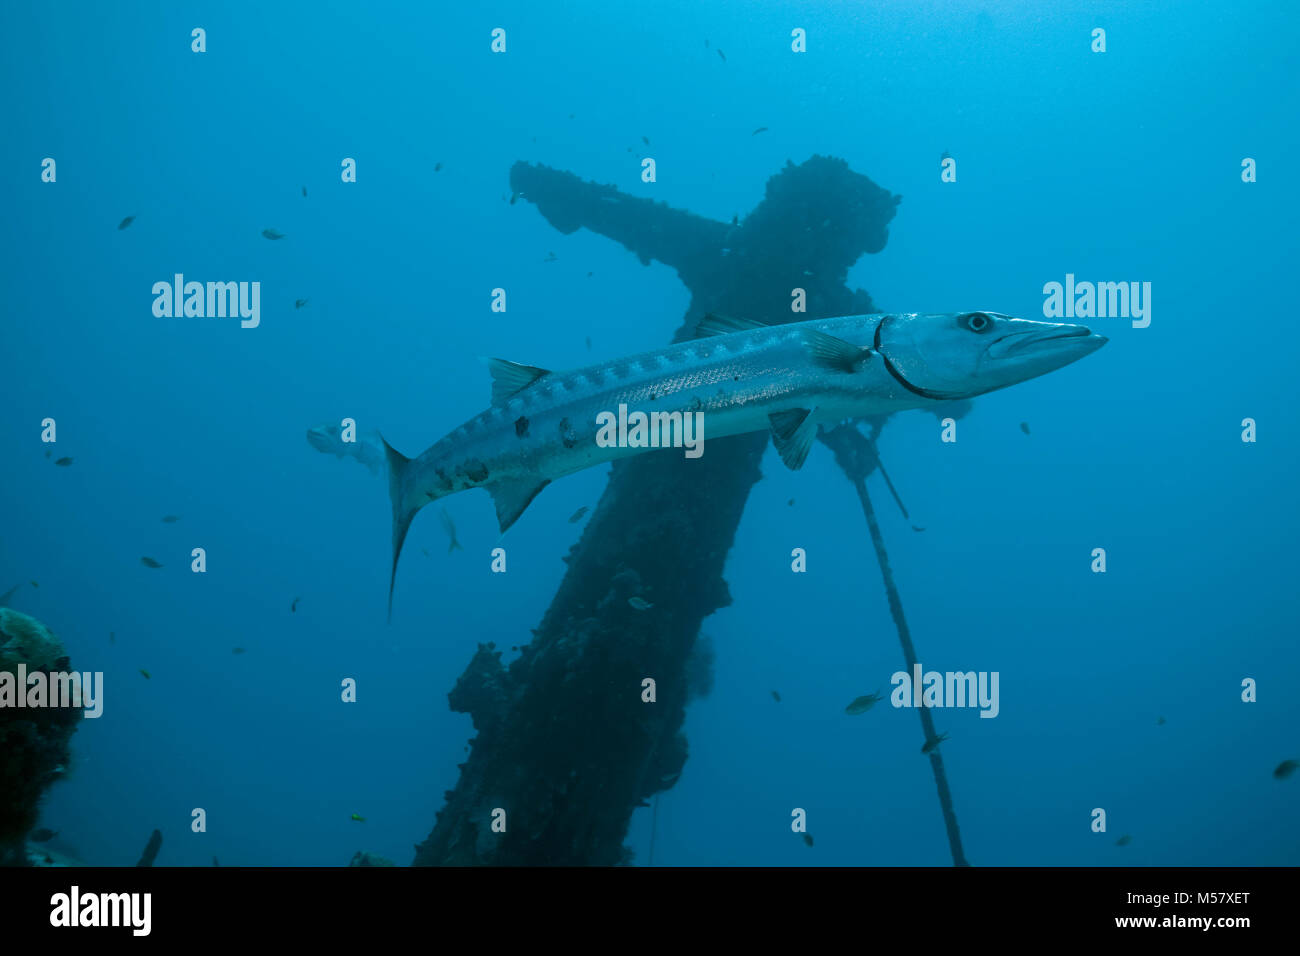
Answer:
(402, 515)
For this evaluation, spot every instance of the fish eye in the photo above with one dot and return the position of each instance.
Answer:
(976, 322)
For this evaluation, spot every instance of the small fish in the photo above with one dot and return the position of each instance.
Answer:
(272, 234)
(437, 167)
(723, 55)
(706, 43)
(34, 584)
(915, 528)
(171, 519)
(589, 275)
(790, 502)
(550, 257)
(861, 705)
(588, 337)
(807, 839)
(42, 835)
(304, 196)
(1125, 840)
(299, 303)
(931, 744)
(513, 197)
(112, 637)
(761, 129)
(150, 563)
(735, 220)
(577, 515)
(944, 155)
(1286, 768)
(236, 650)
(645, 140)
(4, 598)
(47, 453)
(146, 674)
(1024, 427)
(1160, 721)
(214, 859)
(65, 462)
(294, 606)
(125, 222)
(640, 604)
(776, 697)
(449, 526)
(358, 818)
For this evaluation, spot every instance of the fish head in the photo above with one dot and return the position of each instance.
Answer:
(960, 355)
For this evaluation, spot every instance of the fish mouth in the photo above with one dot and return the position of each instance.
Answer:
(1077, 340)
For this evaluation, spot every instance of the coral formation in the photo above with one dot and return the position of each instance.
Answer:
(34, 741)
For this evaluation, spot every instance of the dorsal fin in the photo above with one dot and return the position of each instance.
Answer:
(715, 324)
(511, 378)
(793, 432)
(831, 352)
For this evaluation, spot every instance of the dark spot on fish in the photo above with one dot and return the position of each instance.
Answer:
(476, 471)
(521, 426)
(567, 435)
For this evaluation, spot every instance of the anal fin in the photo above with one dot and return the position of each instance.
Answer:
(511, 497)
(793, 432)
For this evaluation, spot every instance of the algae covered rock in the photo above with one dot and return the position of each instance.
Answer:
(34, 741)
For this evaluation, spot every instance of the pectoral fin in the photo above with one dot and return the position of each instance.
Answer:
(793, 432)
(830, 352)
(512, 497)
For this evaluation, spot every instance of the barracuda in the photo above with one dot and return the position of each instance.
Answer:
(739, 376)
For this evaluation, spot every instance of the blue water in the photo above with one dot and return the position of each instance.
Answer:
(1114, 167)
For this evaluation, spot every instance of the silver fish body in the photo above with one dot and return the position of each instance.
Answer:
(743, 377)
